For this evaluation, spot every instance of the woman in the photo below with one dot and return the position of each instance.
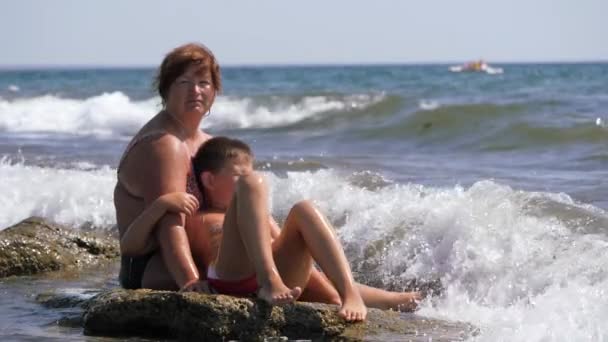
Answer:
(157, 162)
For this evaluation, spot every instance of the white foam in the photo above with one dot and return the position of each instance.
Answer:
(106, 114)
(71, 197)
(116, 114)
(428, 104)
(230, 112)
(13, 88)
(516, 276)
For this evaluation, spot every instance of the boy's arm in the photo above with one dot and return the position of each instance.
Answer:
(138, 236)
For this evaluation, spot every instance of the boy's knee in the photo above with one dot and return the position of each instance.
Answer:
(251, 182)
(304, 206)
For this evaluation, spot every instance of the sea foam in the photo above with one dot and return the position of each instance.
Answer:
(106, 114)
(504, 268)
(68, 196)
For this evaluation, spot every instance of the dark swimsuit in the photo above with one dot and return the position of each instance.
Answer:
(132, 268)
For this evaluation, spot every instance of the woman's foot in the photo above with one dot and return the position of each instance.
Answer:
(353, 308)
(405, 301)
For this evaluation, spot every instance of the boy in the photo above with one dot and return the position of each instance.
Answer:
(229, 249)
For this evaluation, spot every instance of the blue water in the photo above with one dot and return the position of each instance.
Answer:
(537, 127)
(427, 174)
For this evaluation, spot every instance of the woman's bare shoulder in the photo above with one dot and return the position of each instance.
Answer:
(160, 146)
(205, 136)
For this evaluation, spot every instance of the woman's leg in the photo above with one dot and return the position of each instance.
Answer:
(320, 290)
(307, 233)
(247, 237)
(156, 276)
(173, 262)
(385, 300)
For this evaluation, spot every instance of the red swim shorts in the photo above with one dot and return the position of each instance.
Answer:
(241, 288)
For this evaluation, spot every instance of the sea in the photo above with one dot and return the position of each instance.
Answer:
(494, 187)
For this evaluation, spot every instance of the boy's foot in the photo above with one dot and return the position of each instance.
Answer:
(279, 295)
(353, 309)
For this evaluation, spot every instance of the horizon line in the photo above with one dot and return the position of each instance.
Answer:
(294, 64)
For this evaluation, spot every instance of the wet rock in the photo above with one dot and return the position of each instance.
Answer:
(66, 298)
(200, 317)
(34, 245)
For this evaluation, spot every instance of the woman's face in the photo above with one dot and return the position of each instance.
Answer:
(191, 93)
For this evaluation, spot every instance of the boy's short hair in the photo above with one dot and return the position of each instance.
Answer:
(215, 152)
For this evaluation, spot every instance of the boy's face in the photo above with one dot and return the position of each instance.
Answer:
(224, 181)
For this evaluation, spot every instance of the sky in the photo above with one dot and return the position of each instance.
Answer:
(141, 32)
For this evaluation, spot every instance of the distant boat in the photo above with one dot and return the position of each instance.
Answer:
(476, 66)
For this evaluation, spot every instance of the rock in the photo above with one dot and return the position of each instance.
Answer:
(33, 246)
(66, 298)
(70, 302)
(201, 317)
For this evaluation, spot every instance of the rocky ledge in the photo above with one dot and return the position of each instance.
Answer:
(200, 317)
(34, 245)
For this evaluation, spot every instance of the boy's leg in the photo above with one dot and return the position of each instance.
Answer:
(247, 237)
(232, 262)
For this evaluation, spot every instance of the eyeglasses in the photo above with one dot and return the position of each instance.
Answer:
(187, 83)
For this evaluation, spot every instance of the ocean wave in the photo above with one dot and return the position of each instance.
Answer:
(69, 196)
(487, 126)
(507, 260)
(282, 166)
(285, 110)
(373, 116)
(116, 114)
(105, 114)
(378, 108)
(444, 123)
(526, 135)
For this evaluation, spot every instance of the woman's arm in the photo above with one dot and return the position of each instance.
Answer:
(138, 238)
(164, 165)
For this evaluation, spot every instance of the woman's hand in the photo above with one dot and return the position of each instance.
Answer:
(180, 202)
